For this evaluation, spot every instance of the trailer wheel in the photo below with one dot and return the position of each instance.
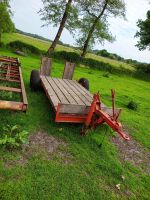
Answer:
(84, 82)
(35, 82)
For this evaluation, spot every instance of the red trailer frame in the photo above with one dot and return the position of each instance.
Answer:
(72, 102)
(91, 113)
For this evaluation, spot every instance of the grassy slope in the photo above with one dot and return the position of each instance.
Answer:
(94, 172)
(43, 45)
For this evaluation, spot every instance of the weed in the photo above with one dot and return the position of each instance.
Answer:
(13, 137)
(132, 105)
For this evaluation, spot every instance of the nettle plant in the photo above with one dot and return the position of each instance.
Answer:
(13, 137)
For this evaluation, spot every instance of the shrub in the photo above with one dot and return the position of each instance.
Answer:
(132, 105)
(91, 63)
(2, 44)
(107, 75)
(26, 48)
(144, 68)
(13, 137)
(69, 56)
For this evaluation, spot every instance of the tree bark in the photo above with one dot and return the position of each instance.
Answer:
(61, 27)
(92, 30)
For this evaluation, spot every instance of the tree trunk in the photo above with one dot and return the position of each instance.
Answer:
(92, 30)
(61, 27)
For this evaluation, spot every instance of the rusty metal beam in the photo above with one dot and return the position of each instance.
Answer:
(12, 105)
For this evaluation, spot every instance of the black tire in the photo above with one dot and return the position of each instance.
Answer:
(35, 82)
(84, 82)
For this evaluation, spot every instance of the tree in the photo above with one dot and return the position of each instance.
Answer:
(6, 24)
(144, 33)
(58, 12)
(97, 11)
(98, 35)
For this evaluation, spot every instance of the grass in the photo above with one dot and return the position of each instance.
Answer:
(44, 45)
(94, 171)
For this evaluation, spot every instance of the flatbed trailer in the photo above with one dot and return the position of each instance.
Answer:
(74, 103)
(10, 72)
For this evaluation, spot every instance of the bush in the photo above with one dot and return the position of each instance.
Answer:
(91, 63)
(69, 56)
(144, 68)
(107, 75)
(132, 105)
(26, 48)
(13, 137)
(2, 44)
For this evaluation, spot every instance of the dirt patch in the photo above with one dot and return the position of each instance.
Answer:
(134, 153)
(45, 146)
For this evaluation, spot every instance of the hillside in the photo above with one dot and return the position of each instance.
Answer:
(58, 163)
(44, 45)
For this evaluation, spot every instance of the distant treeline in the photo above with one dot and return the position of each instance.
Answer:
(114, 56)
(76, 58)
(143, 67)
(42, 38)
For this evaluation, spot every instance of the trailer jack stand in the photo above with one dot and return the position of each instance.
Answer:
(98, 115)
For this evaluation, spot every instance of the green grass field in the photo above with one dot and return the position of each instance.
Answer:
(90, 172)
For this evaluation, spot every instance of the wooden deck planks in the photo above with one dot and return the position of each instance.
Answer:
(78, 93)
(58, 92)
(50, 92)
(64, 91)
(83, 89)
(78, 101)
(77, 86)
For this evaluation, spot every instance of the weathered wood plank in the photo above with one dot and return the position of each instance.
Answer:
(24, 96)
(50, 92)
(68, 70)
(74, 109)
(59, 93)
(45, 68)
(83, 89)
(10, 80)
(71, 92)
(81, 96)
(10, 89)
(77, 86)
(64, 91)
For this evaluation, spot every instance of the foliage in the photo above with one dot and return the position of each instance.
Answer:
(2, 44)
(6, 24)
(52, 13)
(62, 13)
(93, 26)
(100, 34)
(69, 56)
(89, 62)
(26, 48)
(132, 105)
(107, 75)
(144, 33)
(143, 68)
(13, 137)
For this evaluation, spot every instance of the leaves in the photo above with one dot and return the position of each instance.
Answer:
(6, 24)
(144, 33)
(13, 137)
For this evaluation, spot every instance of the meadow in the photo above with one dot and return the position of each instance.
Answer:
(79, 168)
